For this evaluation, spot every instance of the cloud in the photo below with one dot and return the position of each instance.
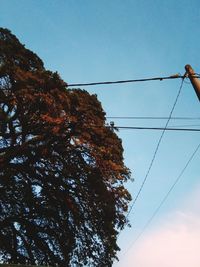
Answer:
(175, 243)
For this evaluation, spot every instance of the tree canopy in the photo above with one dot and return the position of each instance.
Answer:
(62, 194)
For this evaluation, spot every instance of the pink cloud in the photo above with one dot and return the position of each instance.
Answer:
(176, 243)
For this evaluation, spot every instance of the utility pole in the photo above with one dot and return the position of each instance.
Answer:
(193, 79)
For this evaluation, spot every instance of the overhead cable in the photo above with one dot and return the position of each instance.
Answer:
(156, 150)
(151, 118)
(157, 128)
(175, 76)
(165, 197)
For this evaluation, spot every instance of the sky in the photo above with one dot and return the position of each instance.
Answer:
(91, 40)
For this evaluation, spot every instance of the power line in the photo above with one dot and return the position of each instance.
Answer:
(127, 81)
(151, 118)
(156, 150)
(157, 128)
(176, 76)
(165, 197)
(186, 125)
(173, 128)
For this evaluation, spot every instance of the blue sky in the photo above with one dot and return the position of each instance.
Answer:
(88, 41)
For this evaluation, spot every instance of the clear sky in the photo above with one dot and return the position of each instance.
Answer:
(105, 40)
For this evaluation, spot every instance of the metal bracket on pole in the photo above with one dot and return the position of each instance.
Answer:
(193, 79)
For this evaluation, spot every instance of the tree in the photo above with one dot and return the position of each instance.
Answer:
(62, 195)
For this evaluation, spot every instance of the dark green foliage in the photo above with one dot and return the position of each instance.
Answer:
(62, 199)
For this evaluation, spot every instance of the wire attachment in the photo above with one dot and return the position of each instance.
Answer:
(193, 79)
(177, 75)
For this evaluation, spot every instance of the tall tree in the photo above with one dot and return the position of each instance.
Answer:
(62, 198)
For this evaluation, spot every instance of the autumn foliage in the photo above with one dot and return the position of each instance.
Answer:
(62, 199)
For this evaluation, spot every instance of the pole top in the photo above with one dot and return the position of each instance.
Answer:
(194, 80)
(189, 69)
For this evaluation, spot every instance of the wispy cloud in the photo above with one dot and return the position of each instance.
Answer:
(175, 243)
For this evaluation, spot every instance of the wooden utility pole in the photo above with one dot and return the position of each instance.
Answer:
(194, 80)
